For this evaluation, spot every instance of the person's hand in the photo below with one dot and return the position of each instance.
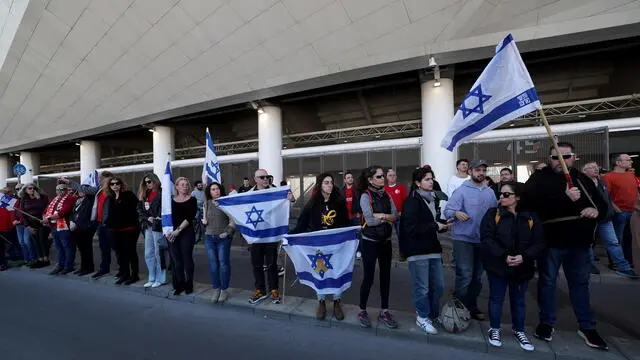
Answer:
(44, 222)
(378, 216)
(589, 213)
(16, 222)
(171, 237)
(204, 221)
(150, 219)
(72, 226)
(461, 216)
(573, 193)
(290, 196)
(223, 235)
(444, 227)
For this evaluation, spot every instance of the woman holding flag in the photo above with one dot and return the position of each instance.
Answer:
(327, 209)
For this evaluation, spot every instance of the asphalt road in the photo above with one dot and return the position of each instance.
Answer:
(61, 319)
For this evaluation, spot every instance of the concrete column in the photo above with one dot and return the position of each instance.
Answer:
(437, 113)
(163, 148)
(89, 158)
(4, 170)
(270, 142)
(31, 161)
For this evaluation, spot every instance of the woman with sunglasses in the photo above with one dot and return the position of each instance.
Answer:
(379, 214)
(219, 231)
(122, 221)
(34, 239)
(149, 215)
(327, 209)
(183, 238)
(511, 241)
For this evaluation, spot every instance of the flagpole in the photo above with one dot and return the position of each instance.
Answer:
(284, 277)
(565, 169)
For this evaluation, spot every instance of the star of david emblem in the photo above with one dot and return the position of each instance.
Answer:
(254, 220)
(474, 101)
(320, 263)
(215, 168)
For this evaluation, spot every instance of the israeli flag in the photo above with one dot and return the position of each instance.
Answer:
(261, 216)
(167, 197)
(504, 91)
(211, 168)
(7, 202)
(92, 179)
(324, 259)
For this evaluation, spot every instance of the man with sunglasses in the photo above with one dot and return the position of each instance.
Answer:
(569, 217)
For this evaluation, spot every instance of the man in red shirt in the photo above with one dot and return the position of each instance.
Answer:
(350, 195)
(397, 192)
(624, 193)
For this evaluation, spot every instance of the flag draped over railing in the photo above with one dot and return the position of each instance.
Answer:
(167, 197)
(504, 91)
(324, 259)
(211, 168)
(261, 216)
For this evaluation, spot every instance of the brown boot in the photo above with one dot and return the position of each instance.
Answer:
(337, 310)
(321, 312)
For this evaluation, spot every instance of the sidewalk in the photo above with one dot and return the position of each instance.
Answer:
(566, 345)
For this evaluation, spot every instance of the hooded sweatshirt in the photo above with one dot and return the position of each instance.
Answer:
(474, 201)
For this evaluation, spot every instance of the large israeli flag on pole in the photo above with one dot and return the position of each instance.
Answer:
(504, 91)
(167, 197)
(261, 216)
(324, 259)
(211, 168)
(92, 179)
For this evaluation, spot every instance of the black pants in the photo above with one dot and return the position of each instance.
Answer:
(181, 250)
(41, 242)
(127, 252)
(84, 241)
(259, 254)
(3, 246)
(382, 252)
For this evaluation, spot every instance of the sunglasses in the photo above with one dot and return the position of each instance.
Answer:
(115, 183)
(263, 177)
(148, 182)
(61, 189)
(564, 156)
(379, 176)
(506, 194)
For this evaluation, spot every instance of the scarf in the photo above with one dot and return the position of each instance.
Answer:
(54, 207)
(429, 199)
(373, 189)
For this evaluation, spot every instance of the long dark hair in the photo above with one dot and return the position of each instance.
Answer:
(207, 190)
(317, 197)
(418, 175)
(365, 175)
(142, 189)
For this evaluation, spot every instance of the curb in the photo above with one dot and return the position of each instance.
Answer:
(566, 345)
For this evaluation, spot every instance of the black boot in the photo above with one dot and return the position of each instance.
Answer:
(178, 289)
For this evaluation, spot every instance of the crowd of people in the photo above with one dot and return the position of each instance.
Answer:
(509, 230)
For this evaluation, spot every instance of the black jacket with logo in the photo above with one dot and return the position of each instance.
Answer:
(321, 215)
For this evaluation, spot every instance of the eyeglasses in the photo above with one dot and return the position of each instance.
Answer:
(506, 194)
(379, 176)
(263, 177)
(115, 183)
(564, 156)
(148, 182)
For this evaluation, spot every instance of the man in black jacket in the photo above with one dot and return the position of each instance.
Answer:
(569, 217)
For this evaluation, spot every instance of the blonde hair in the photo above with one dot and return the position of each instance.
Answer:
(182, 178)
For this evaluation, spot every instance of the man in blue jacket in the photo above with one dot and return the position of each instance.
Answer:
(467, 206)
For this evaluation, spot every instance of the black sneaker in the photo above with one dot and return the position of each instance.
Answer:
(99, 274)
(66, 271)
(593, 339)
(257, 296)
(478, 315)
(281, 271)
(629, 274)
(544, 332)
(363, 318)
(57, 270)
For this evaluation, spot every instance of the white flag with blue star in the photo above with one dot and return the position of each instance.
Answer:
(167, 197)
(92, 179)
(261, 216)
(504, 91)
(324, 259)
(211, 167)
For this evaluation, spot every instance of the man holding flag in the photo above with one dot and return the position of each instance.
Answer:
(503, 92)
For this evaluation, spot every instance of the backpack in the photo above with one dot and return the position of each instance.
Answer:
(497, 219)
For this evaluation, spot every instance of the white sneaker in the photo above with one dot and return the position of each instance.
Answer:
(495, 337)
(215, 296)
(426, 325)
(156, 284)
(224, 295)
(523, 341)
(148, 284)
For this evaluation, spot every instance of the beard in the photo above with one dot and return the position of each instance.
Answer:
(478, 179)
(558, 169)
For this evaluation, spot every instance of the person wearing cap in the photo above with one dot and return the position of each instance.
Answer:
(466, 207)
(58, 216)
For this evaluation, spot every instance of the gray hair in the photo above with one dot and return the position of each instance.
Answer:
(23, 191)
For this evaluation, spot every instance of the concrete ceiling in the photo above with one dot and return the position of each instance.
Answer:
(77, 68)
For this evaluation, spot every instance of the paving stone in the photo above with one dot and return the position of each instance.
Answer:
(407, 328)
(305, 312)
(511, 348)
(473, 338)
(239, 299)
(350, 317)
(568, 345)
(627, 347)
(161, 291)
(282, 311)
(204, 297)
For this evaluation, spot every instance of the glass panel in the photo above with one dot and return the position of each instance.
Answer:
(355, 162)
(333, 165)
(381, 158)
(310, 169)
(407, 160)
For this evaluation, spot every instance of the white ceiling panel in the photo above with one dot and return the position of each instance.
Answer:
(84, 64)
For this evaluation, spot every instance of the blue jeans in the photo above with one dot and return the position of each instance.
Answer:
(620, 224)
(106, 244)
(468, 273)
(152, 256)
(576, 264)
(64, 248)
(427, 286)
(24, 239)
(517, 290)
(609, 238)
(218, 253)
